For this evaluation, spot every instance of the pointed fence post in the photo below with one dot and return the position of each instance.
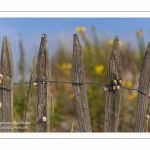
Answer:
(80, 93)
(142, 100)
(6, 95)
(43, 88)
(113, 95)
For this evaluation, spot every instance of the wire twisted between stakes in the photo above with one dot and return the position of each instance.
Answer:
(69, 82)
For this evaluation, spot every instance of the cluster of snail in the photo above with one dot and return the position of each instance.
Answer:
(116, 85)
(1, 78)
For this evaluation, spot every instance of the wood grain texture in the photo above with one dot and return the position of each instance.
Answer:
(112, 104)
(80, 93)
(43, 90)
(142, 100)
(6, 96)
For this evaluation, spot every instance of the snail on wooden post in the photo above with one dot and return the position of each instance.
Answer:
(114, 82)
(44, 119)
(34, 84)
(105, 89)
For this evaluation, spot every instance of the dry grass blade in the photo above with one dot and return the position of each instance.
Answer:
(29, 87)
(72, 125)
(52, 112)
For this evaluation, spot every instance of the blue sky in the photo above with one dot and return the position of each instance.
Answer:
(62, 29)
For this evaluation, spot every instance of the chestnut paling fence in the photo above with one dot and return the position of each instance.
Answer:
(113, 88)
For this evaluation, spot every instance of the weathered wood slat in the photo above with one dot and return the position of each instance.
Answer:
(112, 104)
(43, 89)
(80, 93)
(142, 100)
(6, 96)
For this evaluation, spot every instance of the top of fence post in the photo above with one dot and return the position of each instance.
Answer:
(43, 88)
(6, 95)
(80, 93)
(142, 100)
(114, 76)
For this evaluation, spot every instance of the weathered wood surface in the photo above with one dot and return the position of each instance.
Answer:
(6, 95)
(80, 93)
(142, 100)
(43, 89)
(112, 104)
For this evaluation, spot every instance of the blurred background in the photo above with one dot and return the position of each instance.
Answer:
(96, 36)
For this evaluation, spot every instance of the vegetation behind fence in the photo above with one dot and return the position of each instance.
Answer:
(41, 107)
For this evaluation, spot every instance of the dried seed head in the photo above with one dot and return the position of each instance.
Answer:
(148, 96)
(114, 82)
(114, 88)
(0, 105)
(147, 117)
(105, 89)
(120, 82)
(44, 119)
(0, 81)
(35, 84)
(118, 87)
(1, 76)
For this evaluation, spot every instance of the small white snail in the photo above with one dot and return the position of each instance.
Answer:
(147, 117)
(104, 89)
(114, 82)
(44, 119)
(114, 88)
(120, 82)
(35, 84)
(118, 87)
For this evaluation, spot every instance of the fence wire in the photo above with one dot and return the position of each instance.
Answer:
(69, 82)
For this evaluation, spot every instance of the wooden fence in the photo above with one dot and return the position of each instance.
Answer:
(43, 105)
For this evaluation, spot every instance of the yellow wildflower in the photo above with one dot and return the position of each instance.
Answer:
(111, 42)
(80, 29)
(130, 97)
(99, 68)
(133, 96)
(69, 66)
(139, 33)
(129, 84)
(71, 96)
(63, 66)
(66, 66)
